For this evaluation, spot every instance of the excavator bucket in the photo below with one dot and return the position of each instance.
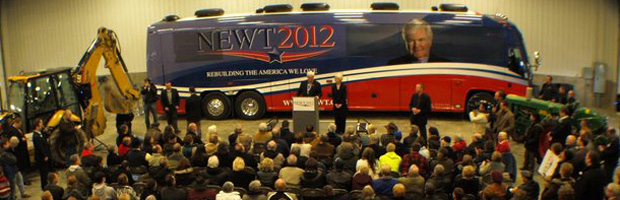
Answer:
(114, 101)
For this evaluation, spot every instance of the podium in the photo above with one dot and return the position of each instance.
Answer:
(305, 112)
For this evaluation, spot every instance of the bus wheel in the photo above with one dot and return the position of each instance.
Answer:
(216, 106)
(250, 105)
(472, 102)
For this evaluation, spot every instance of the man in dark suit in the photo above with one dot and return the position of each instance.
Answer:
(194, 114)
(591, 184)
(563, 129)
(41, 151)
(610, 153)
(548, 90)
(170, 102)
(418, 38)
(23, 159)
(420, 106)
(310, 87)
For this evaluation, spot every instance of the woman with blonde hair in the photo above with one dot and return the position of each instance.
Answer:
(266, 173)
(339, 96)
(368, 193)
(467, 182)
(361, 179)
(241, 176)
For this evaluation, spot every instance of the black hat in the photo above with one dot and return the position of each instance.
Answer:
(391, 127)
(448, 139)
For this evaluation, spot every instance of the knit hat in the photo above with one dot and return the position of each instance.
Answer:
(398, 135)
(497, 176)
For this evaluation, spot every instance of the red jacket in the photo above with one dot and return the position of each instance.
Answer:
(459, 146)
(86, 152)
(503, 147)
(122, 150)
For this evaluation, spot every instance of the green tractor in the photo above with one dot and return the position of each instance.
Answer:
(522, 107)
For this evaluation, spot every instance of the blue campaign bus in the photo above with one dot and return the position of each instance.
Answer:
(249, 64)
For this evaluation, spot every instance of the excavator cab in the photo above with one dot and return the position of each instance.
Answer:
(42, 95)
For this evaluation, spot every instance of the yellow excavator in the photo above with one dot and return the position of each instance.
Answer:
(48, 94)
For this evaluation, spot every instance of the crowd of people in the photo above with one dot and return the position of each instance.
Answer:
(274, 163)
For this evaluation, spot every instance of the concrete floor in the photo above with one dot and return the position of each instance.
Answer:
(447, 124)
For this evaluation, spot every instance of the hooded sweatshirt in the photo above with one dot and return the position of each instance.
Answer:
(104, 191)
(392, 159)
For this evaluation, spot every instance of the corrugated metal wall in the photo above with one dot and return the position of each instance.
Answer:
(38, 34)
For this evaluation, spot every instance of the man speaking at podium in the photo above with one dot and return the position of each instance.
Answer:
(310, 87)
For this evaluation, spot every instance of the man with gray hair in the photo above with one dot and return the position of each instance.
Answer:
(254, 192)
(414, 183)
(232, 138)
(272, 152)
(309, 88)
(76, 170)
(418, 37)
(291, 173)
(261, 137)
(215, 174)
(281, 144)
(228, 192)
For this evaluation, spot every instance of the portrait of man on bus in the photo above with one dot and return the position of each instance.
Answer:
(418, 38)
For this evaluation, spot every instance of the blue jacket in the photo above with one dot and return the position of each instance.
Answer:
(383, 186)
(511, 164)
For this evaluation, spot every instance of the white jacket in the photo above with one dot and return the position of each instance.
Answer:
(479, 121)
(228, 196)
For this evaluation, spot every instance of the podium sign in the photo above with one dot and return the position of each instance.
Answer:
(305, 112)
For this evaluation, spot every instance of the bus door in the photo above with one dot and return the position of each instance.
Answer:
(374, 94)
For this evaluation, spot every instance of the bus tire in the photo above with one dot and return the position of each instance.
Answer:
(216, 106)
(473, 100)
(250, 105)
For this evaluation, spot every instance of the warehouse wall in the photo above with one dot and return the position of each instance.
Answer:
(39, 34)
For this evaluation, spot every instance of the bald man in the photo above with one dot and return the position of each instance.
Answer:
(310, 87)
(280, 193)
(420, 106)
(571, 142)
(384, 185)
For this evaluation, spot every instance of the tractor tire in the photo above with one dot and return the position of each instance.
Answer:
(58, 147)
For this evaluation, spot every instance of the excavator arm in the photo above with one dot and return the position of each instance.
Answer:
(119, 99)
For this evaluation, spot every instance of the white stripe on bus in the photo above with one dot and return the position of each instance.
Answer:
(379, 69)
